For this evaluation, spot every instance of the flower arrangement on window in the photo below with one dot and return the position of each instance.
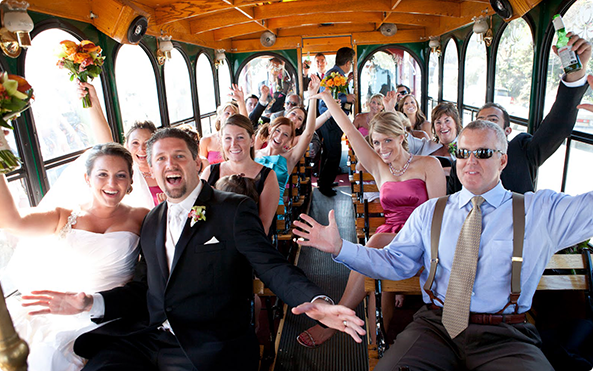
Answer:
(84, 61)
(336, 83)
(15, 97)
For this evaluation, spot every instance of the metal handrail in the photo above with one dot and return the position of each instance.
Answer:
(13, 349)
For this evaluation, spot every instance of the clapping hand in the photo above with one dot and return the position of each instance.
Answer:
(337, 317)
(265, 93)
(54, 302)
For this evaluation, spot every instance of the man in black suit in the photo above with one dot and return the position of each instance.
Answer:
(528, 152)
(189, 304)
(330, 131)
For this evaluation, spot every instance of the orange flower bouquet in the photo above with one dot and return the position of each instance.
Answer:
(336, 83)
(84, 61)
(15, 97)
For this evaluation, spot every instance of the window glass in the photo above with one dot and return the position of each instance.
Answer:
(177, 85)
(474, 83)
(136, 86)
(385, 70)
(433, 76)
(205, 82)
(578, 179)
(579, 19)
(549, 175)
(514, 66)
(63, 125)
(450, 72)
(256, 73)
(224, 81)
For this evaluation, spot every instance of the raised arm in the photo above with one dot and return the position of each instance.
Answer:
(99, 125)
(366, 155)
(322, 119)
(33, 224)
(237, 94)
(301, 147)
(559, 123)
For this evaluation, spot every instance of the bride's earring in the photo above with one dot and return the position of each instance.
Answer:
(129, 190)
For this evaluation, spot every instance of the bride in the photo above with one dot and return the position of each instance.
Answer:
(89, 248)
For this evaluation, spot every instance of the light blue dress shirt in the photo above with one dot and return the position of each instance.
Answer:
(553, 221)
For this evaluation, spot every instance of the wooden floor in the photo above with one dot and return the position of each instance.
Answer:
(340, 352)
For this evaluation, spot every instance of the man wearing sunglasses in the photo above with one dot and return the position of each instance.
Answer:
(528, 152)
(491, 332)
(292, 100)
(401, 91)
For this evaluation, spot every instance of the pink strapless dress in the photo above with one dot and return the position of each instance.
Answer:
(399, 199)
(214, 157)
(364, 131)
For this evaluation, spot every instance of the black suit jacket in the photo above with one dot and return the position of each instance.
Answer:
(527, 152)
(207, 296)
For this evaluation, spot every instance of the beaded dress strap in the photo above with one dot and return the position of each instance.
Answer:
(68, 226)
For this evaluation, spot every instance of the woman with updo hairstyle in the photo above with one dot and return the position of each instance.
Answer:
(405, 182)
(238, 183)
(409, 106)
(210, 146)
(237, 138)
(362, 120)
(90, 247)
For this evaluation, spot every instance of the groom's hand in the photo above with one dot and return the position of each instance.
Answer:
(54, 302)
(324, 238)
(337, 317)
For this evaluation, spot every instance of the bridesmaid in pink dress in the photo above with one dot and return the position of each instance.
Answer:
(362, 120)
(405, 182)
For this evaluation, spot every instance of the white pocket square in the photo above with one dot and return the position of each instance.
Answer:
(211, 241)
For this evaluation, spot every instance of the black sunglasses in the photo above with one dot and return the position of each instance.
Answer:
(403, 92)
(481, 153)
(291, 103)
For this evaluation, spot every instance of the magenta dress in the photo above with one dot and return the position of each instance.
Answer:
(214, 157)
(399, 199)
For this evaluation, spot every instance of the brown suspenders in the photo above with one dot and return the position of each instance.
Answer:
(518, 235)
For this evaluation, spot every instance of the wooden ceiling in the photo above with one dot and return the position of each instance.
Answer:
(236, 25)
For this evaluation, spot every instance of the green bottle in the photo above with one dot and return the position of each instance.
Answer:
(570, 60)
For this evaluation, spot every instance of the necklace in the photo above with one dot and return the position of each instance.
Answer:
(147, 174)
(400, 172)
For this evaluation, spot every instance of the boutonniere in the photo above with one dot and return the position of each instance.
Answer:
(196, 214)
(453, 148)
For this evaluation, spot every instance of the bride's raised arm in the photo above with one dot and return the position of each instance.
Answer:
(36, 223)
(303, 143)
(365, 154)
(99, 125)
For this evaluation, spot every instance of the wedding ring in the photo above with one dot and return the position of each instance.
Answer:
(345, 323)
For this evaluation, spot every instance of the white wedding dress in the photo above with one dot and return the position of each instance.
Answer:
(74, 261)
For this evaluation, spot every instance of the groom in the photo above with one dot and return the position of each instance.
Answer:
(189, 305)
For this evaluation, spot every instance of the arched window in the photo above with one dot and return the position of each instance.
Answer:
(579, 19)
(257, 72)
(387, 68)
(63, 125)
(474, 83)
(178, 88)
(224, 81)
(450, 72)
(136, 86)
(206, 96)
(434, 75)
(514, 67)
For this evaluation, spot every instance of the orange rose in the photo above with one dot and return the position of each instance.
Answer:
(330, 83)
(23, 84)
(80, 57)
(87, 46)
(69, 47)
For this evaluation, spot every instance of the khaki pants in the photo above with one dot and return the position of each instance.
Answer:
(426, 345)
